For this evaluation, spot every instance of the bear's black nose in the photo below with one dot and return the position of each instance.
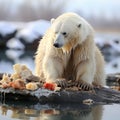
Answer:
(56, 45)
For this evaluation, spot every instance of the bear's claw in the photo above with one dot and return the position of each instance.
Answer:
(83, 85)
(61, 83)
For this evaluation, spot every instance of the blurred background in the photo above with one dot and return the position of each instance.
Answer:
(24, 22)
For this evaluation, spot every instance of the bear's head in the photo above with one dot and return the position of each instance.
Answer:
(70, 29)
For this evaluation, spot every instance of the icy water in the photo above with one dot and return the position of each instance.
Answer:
(22, 111)
(11, 110)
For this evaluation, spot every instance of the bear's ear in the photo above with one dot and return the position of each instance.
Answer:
(79, 25)
(52, 20)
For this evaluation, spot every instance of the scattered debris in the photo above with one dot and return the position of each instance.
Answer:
(22, 78)
(88, 101)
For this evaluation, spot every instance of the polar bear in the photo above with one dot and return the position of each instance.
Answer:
(68, 52)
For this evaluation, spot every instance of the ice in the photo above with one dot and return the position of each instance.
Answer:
(15, 44)
(33, 30)
(27, 35)
(110, 39)
(7, 28)
(14, 54)
(115, 43)
(113, 66)
(40, 27)
(100, 41)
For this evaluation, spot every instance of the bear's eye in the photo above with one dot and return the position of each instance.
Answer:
(79, 25)
(64, 33)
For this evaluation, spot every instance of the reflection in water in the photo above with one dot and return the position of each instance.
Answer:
(94, 113)
(9, 57)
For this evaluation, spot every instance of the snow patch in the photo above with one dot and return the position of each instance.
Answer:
(7, 28)
(113, 66)
(33, 30)
(14, 54)
(115, 44)
(15, 44)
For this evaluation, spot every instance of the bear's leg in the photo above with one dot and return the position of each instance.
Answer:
(85, 75)
(99, 79)
(53, 69)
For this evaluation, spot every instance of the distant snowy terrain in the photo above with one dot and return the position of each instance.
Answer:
(7, 28)
(33, 30)
(27, 32)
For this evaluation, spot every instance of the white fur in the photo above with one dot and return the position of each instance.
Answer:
(78, 57)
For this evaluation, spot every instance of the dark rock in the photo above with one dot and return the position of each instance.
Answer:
(8, 30)
(101, 95)
(41, 95)
(4, 39)
(30, 46)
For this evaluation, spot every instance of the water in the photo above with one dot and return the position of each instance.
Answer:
(59, 112)
(32, 111)
(9, 57)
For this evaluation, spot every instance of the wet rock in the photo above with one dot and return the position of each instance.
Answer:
(101, 95)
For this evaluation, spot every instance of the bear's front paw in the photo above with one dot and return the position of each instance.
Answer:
(61, 82)
(96, 85)
(84, 85)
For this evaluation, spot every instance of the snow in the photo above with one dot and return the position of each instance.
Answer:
(40, 26)
(115, 43)
(33, 30)
(14, 54)
(15, 44)
(109, 39)
(113, 66)
(6, 28)
(28, 31)
(100, 41)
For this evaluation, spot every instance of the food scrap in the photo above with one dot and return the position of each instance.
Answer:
(88, 101)
(17, 84)
(31, 86)
(22, 78)
(4, 83)
(18, 80)
(51, 86)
